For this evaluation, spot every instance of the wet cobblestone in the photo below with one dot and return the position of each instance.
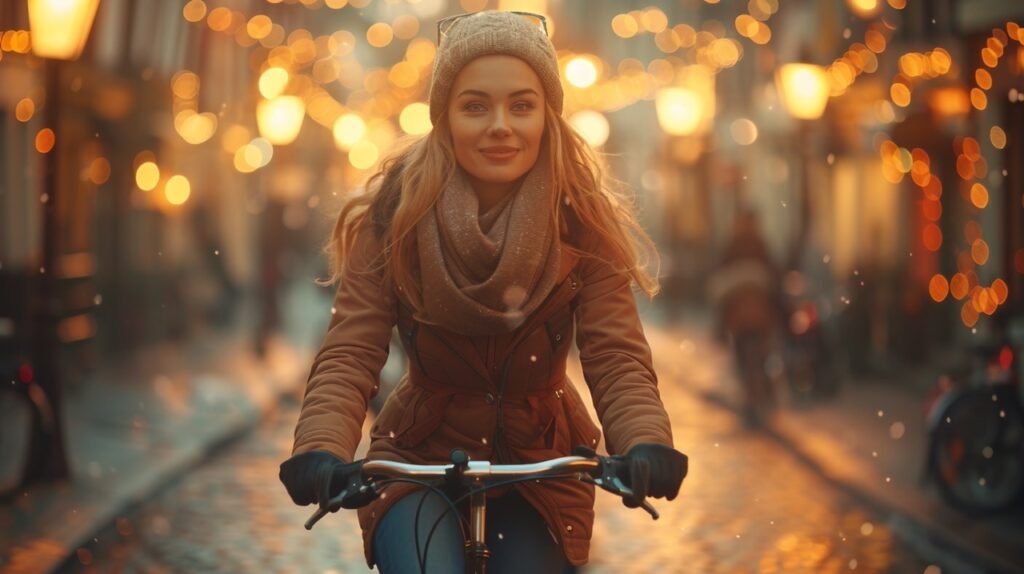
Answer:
(747, 506)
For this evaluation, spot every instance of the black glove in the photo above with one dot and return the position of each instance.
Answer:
(316, 477)
(655, 470)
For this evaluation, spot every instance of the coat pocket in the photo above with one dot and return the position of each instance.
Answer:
(582, 429)
(410, 416)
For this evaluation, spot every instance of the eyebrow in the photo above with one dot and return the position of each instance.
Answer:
(486, 95)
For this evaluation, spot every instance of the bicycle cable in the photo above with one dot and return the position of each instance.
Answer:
(455, 502)
(422, 559)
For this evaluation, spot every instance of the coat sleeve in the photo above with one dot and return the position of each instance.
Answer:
(346, 370)
(616, 360)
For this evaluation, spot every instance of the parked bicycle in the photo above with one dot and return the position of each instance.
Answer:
(475, 478)
(975, 421)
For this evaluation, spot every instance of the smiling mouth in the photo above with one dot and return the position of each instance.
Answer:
(499, 153)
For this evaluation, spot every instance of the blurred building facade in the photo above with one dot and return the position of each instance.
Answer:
(178, 208)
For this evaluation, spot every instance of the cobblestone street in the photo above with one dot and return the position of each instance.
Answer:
(748, 506)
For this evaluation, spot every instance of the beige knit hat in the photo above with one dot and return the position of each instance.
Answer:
(493, 33)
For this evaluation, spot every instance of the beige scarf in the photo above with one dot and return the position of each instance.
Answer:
(484, 275)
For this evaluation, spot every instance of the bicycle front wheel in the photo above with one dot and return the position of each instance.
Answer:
(977, 451)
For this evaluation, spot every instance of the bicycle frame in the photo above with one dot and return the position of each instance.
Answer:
(473, 475)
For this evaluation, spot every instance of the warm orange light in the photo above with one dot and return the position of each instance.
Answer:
(177, 190)
(45, 140)
(972, 149)
(964, 167)
(60, 27)
(932, 237)
(24, 110)
(746, 25)
(415, 119)
(259, 26)
(194, 11)
(875, 41)
(998, 137)
(185, 85)
(900, 94)
(99, 171)
(1001, 290)
(989, 57)
(363, 155)
(979, 196)
(592, 126)
(972, 231)
(979, 251)
(348, 130)
(147, 176)
(938, 288)
(273, 81)
(804, 89)
(978, 99)
(969, 315)
(581, 72)
(951, 101)
(983, 78)
(380, 35)
(932, 209)
(219, 19)
(679, 110)
(280, 119)
(958, 286)
(625, 26)
(864, 8)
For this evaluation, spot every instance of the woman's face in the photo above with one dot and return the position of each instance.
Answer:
(496, 115)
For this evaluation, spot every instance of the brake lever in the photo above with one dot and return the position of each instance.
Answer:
(356, 488)
(610, 482)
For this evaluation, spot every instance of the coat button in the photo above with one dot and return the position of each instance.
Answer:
(573, 285)
(489, 398)
(558, 337)
(559, 393)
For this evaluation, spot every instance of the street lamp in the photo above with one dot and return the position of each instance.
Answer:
(59, 30)
(805, 91)
(60, 27)
(679, 110)
(280, 119)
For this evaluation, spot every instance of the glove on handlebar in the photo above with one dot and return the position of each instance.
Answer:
(655, 470)
(316, 477)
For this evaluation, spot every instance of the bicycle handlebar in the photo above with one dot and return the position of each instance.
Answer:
(603, 471)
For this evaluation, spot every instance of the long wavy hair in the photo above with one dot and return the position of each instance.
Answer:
(409, 182)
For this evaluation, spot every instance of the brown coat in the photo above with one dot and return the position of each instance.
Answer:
(452, 394)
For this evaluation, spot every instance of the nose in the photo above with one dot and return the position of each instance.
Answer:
(499, 126)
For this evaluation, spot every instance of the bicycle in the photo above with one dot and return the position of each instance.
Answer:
(605, 472)
(975, 421)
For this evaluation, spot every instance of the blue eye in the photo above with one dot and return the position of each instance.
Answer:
(474, 107)
(522, 106)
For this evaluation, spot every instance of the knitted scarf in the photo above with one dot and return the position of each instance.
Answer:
(485, 274)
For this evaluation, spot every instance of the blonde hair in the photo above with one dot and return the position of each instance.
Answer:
(409, 182)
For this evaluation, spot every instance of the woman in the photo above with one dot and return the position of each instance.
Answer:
(485, 242)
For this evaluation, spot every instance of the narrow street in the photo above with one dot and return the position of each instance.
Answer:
(747, 506)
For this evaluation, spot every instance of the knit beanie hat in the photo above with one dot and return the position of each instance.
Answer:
(493, 33)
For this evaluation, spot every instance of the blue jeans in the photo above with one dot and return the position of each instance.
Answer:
(517, 536)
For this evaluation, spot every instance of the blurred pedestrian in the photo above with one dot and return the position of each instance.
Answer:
(485, 242)
(745, 289)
